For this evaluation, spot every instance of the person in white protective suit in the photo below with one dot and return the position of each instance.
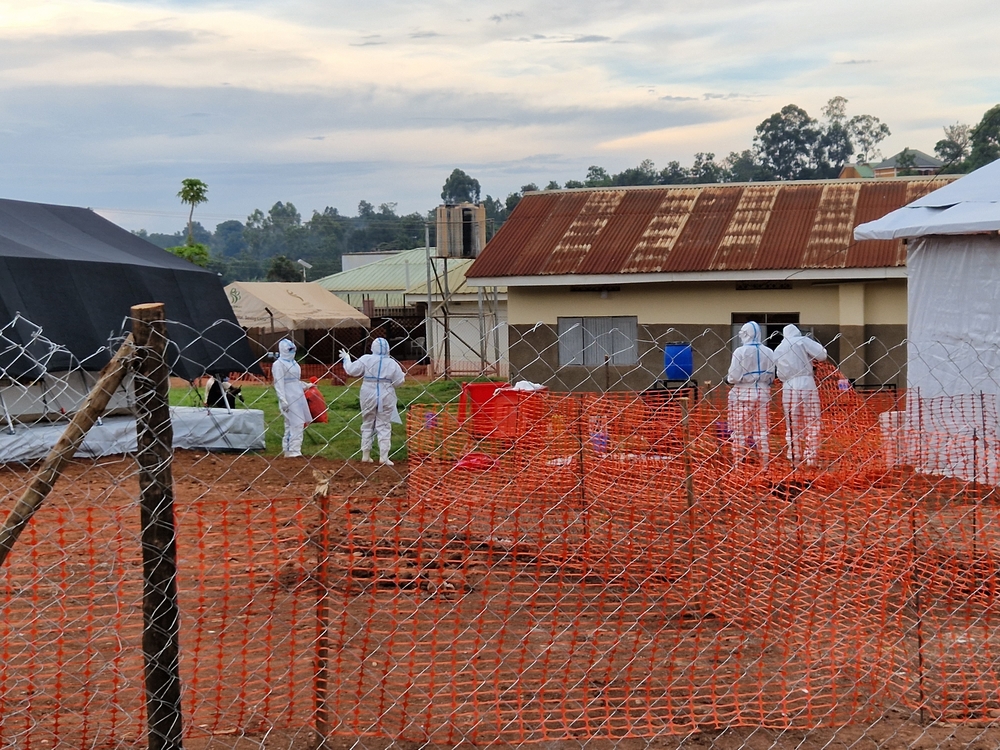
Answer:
(799, 395)
(381, 375)
(287, 376)
(751, 373)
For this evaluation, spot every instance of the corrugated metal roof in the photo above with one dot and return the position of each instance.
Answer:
(392, 280)
(387, 275)
(694, 228)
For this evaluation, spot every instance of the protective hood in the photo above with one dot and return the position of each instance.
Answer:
(286, 350)
(380, 347)
(750, 333)
(791, 331)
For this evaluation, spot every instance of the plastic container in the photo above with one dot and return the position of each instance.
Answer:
(678, 361)
(497, 411)
(476, 405)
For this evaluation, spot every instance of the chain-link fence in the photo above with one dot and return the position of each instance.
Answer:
(644, 559)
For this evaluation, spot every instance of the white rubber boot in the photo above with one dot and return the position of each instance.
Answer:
(366, 457)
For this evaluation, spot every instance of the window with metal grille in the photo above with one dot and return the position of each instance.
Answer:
(593, 341)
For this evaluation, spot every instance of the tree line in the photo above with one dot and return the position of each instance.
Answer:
(788, 145)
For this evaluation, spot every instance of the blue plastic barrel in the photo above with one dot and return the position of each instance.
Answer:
(678, 361)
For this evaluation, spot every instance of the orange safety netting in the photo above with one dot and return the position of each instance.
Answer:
(71, 624)
(568, 566)
(584, 565)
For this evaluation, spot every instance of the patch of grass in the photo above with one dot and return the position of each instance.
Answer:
(340, 437)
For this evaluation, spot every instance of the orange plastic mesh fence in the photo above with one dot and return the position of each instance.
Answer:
(71, 624)
(606, 570)
(565, 566)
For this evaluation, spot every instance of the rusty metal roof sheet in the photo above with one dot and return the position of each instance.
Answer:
(694, 228)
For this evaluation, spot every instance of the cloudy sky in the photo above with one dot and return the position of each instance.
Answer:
(325, 103)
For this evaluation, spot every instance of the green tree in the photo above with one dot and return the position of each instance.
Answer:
(553, 185)
(906, 163)
(705, 169)
(835, 145)
(743, 166)
(282, 269)
(279, 232)
(195, 252)
(786, 143)
(193, 192)
(597, 177)
(496, 214)
(228, 238)
(984, 140)
(460, 188)
(866, 132)
(954, 148)
(573, 184)
(644, 174)
(673, 174)
(327, 231)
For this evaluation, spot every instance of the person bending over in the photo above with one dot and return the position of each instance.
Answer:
(799, 395)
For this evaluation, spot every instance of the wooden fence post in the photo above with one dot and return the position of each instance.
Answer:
(160, 610)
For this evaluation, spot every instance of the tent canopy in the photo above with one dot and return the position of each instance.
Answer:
(68, 279)
(291, 306)
(969, 205)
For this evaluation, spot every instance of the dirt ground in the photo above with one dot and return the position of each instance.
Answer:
(206, 478)
(198, 474)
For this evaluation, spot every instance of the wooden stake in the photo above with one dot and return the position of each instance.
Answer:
(686, 452)
(93, 407)
(160, 610)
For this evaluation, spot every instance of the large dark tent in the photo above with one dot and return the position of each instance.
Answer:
(68, 278)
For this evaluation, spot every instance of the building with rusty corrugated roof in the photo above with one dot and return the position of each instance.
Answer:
(621, 272)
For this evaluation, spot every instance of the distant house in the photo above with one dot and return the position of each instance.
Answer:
(923, 164)
(599, 281)
(467, 336)
(855, 171)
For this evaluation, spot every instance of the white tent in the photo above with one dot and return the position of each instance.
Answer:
(953, 324)
(291, 306)
(966, 206)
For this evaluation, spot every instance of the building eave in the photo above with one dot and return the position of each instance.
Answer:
(620, 279)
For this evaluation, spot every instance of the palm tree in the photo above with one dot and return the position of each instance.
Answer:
(193, 192)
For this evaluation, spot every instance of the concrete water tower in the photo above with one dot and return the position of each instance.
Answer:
(461, 230)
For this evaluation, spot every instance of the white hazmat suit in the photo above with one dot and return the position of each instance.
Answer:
(751, 373)
(381, 375)
(799, 395)
(287, 376)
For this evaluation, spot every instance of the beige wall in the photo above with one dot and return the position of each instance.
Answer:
(885, 303)
(875, 303)
(862, 324)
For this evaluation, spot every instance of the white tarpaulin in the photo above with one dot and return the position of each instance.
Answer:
(287, 306)
(950, 425)
(194, 427)
(953, 317)
(969, 205)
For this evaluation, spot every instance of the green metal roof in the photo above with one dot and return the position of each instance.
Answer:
(389, 274)
(390, 281)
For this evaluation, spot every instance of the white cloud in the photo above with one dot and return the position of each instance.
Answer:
(324, 104)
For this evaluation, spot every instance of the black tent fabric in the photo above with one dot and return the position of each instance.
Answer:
(68, 279)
